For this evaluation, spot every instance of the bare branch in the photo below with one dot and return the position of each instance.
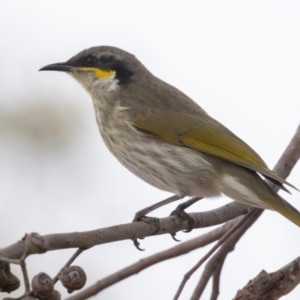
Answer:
(135, 268)
(216, 280)
(88, 239)
(227, 247)
(272, 286)
(226, 235)
(289, 157)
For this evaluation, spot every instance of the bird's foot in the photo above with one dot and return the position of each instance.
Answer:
(184, 215)
(153, 222)
(180, 212)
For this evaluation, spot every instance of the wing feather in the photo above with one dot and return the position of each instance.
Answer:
(209, 137)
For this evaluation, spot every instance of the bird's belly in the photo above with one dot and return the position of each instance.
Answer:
(176, 169)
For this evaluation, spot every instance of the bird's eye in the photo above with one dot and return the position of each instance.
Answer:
(90, 60)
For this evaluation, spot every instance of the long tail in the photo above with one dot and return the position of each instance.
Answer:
(261, 195)
(283, 207)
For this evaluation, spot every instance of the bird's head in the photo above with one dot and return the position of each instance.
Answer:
(103, 69)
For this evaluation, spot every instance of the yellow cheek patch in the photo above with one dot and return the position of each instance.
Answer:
(101, 74)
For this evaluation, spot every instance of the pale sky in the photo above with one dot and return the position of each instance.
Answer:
(238, 59)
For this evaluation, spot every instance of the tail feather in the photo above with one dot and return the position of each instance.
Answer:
(278, 184)
(284, 208)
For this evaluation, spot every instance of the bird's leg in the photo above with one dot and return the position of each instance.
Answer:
(179, 211)
(141, 216)
(142, 213)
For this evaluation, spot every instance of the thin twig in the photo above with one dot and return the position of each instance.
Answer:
(25, 276)
(289, 157)
(216, 280)
(135, 268)
(224, 250)
(68, 263)
(187, 276)
(10, 261)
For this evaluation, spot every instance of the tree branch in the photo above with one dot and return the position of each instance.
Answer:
(227, 247)
(225, 236)
(88, 239)
(135, 268)
(216, 280)
(289, 157)
(272, 286)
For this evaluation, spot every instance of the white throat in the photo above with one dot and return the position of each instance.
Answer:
(106, 85)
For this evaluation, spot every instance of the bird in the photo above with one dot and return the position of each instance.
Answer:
(165, 138)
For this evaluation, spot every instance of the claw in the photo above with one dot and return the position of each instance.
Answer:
(137, 245)
(174, 238)
(154, 223)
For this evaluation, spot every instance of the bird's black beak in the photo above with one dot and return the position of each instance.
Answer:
(65, 67)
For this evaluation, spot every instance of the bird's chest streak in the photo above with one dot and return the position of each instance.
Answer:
(167, 167)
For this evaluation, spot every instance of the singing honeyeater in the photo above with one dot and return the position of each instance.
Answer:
(167, 139)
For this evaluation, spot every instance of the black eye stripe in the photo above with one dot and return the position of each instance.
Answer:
(106, 62)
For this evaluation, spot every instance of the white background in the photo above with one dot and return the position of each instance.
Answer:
(239, 60)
